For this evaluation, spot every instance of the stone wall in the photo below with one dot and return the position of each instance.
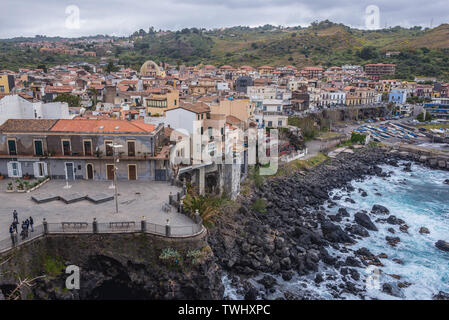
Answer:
(115, 266)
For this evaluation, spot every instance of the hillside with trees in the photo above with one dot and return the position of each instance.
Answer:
(422, 52)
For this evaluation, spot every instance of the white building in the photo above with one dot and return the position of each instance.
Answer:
(15, 107)
(331, 97)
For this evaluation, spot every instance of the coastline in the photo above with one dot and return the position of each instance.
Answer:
(296, 235)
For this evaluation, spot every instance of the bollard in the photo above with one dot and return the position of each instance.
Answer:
(95, 226)
(167, 229)
(44, 222)
(181, 203)
(143, 225)
(197, 216)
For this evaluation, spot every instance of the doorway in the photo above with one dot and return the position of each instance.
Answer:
(90, 171)
(132, 172)
(69, 171)
(110, 171)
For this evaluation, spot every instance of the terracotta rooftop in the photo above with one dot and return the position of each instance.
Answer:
(27, 125)
(102, 126)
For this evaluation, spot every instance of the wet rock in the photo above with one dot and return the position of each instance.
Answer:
(364, 252)
(442, 245)
(398, 261)
(391, 230)
(358, 230)
(268, 281)
(349, 200)
(382, 256)
(287, 275)
(404, 284)
(343, 212)
(335, 217)
(365, 221)
(393, 241)
(404, 228)
(334, 233)
(424, 230)
(441, 296)
(393, 220)
(353, 262)
(391, 289)
(446, 181)
(379, 209)
(251, 293)
(318, 278)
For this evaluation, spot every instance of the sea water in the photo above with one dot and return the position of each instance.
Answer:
(421, 199)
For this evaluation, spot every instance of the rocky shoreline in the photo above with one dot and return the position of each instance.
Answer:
(296, 237)
(295, 234)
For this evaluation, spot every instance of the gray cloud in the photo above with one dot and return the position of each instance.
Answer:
(30, 17)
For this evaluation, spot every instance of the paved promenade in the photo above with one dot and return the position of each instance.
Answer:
(136, 199)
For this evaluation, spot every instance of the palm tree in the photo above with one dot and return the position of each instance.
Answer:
(94, 92)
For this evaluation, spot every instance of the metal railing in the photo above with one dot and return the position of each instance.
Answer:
(103, 228)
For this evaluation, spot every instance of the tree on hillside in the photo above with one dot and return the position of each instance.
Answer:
(111, 67)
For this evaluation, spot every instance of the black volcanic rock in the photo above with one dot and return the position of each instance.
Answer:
(379, 209)
(365, 221)
(442, 245)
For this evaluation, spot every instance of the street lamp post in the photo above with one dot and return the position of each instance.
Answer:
(114, 147)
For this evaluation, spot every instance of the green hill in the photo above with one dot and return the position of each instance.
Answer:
(423, 52)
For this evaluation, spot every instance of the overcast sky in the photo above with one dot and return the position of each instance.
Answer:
(113, 17)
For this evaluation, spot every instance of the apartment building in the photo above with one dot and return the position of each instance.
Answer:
(377, 70)
(7, 83)
(81, 149)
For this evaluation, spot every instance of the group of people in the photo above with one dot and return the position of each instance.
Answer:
(26, 226)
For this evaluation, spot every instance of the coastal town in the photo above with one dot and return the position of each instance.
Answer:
(239, 181)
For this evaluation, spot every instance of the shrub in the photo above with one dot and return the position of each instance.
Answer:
(358, 138)
(170, 255)
(259, 205)
(208, 206)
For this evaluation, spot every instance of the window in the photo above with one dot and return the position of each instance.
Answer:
(109, 149)
(209, 132)
(38, 148)
(270, 123)
(280, 123)
(131, 148)
(87, 145)
(40, 169)
(2, 89)
(12, 148)
(66, 148)
(14, 169)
